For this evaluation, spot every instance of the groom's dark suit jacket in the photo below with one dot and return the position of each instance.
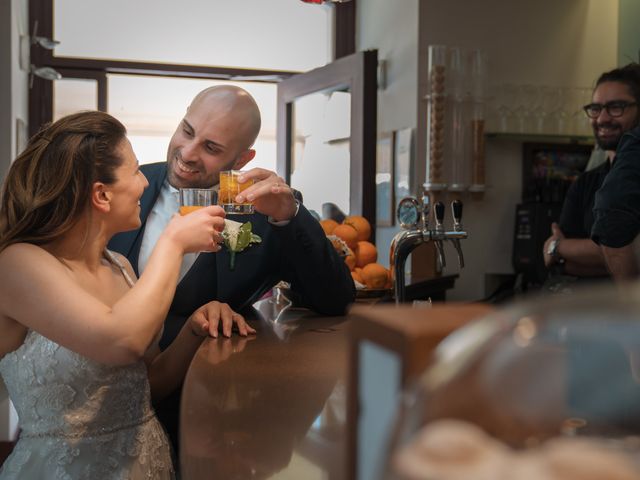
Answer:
(298, 253)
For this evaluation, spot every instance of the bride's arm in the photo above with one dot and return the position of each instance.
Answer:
(168, 368)
(37, 291)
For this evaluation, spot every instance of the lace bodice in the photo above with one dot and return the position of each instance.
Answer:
(80, 418)
(58, 392)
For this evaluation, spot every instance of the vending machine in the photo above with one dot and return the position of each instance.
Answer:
(548, 171)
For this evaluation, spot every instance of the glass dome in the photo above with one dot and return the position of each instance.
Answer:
(548, 389)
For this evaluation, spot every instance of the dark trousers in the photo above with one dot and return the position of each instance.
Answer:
(168, 412)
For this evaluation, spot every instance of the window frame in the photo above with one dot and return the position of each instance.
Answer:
(41, 91)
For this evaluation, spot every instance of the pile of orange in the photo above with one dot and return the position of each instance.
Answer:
(360, 254)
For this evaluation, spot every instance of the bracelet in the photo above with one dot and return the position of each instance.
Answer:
(552, 251)
(553, 248)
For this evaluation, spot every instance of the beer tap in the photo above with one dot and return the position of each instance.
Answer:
(413, 216)
(456, 211)
(414, 220)
(439, 235)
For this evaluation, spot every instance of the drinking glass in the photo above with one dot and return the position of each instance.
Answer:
(507, 94)
(581, 123)
(229, 190)
(192, 199)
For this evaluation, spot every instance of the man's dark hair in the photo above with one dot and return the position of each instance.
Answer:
(628, 75)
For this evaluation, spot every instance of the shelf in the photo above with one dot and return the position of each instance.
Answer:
(542, 137)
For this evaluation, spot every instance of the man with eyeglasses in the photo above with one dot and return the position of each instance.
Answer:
(617, 202)
(612, 112)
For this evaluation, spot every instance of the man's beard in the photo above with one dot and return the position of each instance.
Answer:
(612, 143)
(609, 144)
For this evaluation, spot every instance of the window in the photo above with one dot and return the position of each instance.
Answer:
(252, 34)
(151, 115)
(146, 65)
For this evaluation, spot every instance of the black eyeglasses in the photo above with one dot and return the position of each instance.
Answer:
(614, 109)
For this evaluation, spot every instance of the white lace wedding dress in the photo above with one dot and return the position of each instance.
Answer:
(80, 419)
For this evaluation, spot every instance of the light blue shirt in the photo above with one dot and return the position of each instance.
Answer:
(166, 206)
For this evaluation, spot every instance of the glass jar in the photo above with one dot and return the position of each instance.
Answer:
(545, 390)
(436, 119)
(457, 165)
(478, 78)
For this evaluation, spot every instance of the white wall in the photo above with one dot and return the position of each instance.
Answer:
(13, 105)
(392, 29)
(628, 32)
(5, 85)
(6, 122)
(550, 42)
(13, 81)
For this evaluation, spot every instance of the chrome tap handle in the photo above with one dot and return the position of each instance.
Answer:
(439, 236)
(442, 261)
(458, 247)
(438, 210)
(456, 211)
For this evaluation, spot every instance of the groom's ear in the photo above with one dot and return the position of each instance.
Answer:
(244, 158)
(101, 197)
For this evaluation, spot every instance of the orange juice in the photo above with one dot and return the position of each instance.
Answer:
(229, 190)
(194, 198)
(185, 209)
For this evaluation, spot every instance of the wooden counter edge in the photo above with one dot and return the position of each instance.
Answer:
(413, 333)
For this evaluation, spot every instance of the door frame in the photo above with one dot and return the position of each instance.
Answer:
(358, 74)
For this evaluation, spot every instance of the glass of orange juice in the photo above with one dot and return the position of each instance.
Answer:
(194, 198)
(229, 189)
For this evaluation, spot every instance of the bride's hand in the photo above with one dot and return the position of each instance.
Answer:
(198, 231)
(207, 319)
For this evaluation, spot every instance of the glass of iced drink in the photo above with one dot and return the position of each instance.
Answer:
(229, 190)
(192, 199)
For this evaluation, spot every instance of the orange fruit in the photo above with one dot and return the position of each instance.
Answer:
(348, 234)
(389, 283)
(361, 224)
(374, 275)
(328, 225)
(350, 260)
(356, 276)
(366, 252)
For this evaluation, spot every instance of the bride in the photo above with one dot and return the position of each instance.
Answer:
(79, 337)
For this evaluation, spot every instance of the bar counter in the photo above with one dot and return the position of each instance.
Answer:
(271, 405)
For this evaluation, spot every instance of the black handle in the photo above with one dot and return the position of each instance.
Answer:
(456, 208)
(439, 211)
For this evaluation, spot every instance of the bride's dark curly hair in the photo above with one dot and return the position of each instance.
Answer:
(48, 186)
